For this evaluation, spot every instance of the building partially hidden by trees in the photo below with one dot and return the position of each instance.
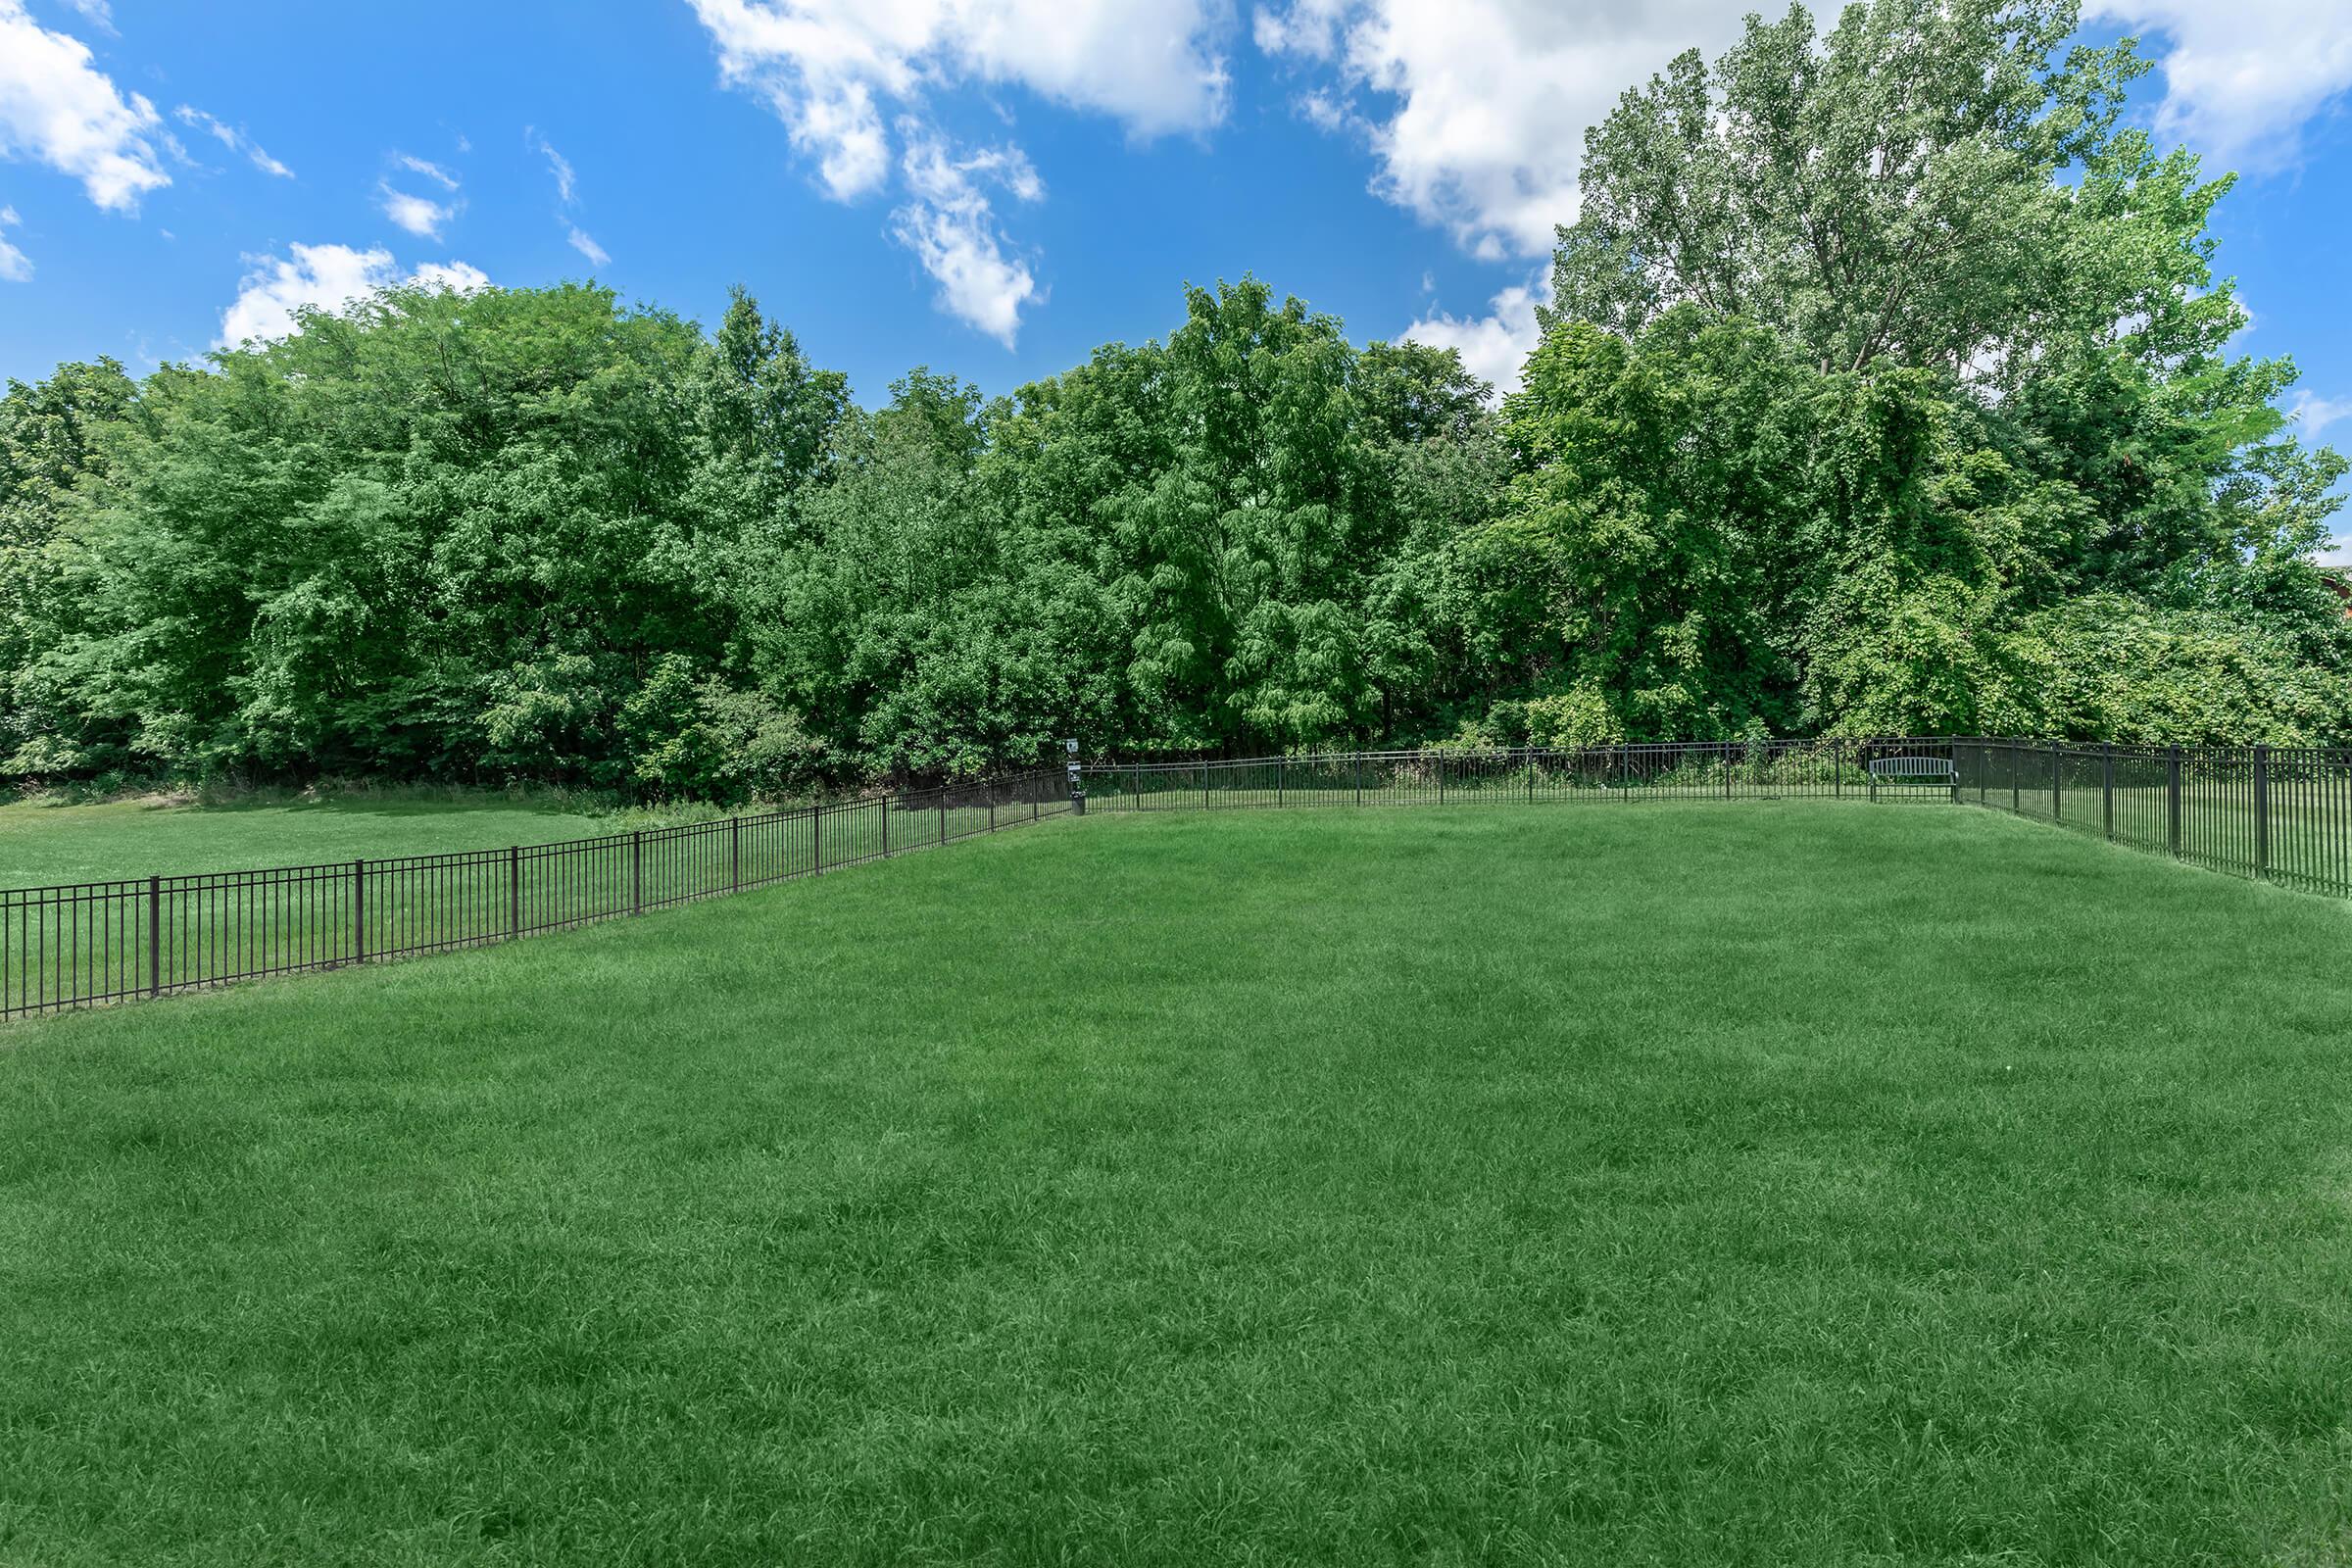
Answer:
(1888, 386)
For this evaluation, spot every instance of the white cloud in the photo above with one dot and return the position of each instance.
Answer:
(14, 265)
(97, 12)
(1475, 111)
(950, 226)
(838, 72)
(463, 277)
(826, 67)
(57, 108)
(419, 214)
(567, 192)
(327, 276)
(236, 140)
(1495, 346)
(433, 171)
(556, 164)
(581, 242)
(2313, 413)
(2243, 79)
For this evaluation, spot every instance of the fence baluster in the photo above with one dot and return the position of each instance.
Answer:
(2172, 800)
(2262, 813)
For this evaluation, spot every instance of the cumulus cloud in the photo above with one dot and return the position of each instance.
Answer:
(950, 224)
(57, 108)
(2241, 79)
(839, 72)
(14, 265)
(419, 214)
(328, 278)
(1494, 347)
(2314, 413)
(830, 68)
(461, 276)
(1475, 111)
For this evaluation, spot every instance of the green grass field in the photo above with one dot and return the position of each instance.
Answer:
(1661, 1184)
(41, 844)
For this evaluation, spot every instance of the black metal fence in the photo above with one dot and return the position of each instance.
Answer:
(96, 942)
(1857, 769)
(2277, 813)
(2280, 814)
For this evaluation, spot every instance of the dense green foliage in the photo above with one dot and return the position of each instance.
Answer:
(1817, 1225)
(1887, 387)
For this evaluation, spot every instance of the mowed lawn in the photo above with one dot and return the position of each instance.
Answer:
(1585, 1184)
(43, 843)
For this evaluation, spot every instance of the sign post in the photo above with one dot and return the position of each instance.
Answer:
(1077, 782)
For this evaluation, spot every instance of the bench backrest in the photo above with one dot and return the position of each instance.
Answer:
(1911, 766)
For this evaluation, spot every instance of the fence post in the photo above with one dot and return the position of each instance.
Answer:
(2016, 768)
(2173, 798)
(1727, 770)
(359, 911)
(991, 805)
(1359, 778)
(943, 814)
(1531, 775)
(2262, 813)
(155, 936)
(513, 890)
(1204, 786)
(1278, 783)
(1440, 779)
(734, 854)
(2107, 789)
(1837, 769)
(2057, 783)
(817, 841)
(637, 870)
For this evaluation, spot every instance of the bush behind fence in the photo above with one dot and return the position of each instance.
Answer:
(2280, 814)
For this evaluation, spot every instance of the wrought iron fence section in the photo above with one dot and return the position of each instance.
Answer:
(1655, 770)
(88, 943)
(2277, 813)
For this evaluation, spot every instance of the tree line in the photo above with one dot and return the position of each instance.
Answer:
(1888, 386)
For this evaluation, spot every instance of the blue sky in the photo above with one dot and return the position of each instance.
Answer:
(990, 188)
